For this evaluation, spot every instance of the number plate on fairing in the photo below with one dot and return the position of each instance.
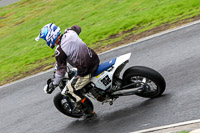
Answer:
(103, 81)
(106, 80)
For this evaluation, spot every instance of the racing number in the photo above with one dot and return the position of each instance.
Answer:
(106, 80)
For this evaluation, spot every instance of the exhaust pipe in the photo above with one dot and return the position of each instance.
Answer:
(128, 91)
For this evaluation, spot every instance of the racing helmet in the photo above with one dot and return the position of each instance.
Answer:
(49, 33)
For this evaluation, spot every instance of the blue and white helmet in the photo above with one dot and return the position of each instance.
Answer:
(49, 33)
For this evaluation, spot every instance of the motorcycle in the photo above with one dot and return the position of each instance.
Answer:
(106, 85)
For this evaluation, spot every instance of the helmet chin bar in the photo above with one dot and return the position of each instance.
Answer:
(52, 46)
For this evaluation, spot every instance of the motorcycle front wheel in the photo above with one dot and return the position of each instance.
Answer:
(67, 106)
(152, 83)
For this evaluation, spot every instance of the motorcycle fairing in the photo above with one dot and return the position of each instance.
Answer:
(104, 79)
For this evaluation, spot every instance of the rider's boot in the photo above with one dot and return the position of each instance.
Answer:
(88, 117)
(88, 113)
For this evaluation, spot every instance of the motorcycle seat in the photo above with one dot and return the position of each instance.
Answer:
(104, 66)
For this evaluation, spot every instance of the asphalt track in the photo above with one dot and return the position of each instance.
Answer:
(25, 108)
(7, 2)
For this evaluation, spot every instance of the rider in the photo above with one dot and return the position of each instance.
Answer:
(70, 48)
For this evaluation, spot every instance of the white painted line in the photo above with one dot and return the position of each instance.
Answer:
(167, 126)
(138, 41)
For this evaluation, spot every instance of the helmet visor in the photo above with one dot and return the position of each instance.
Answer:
(43, 34)
(38, 38)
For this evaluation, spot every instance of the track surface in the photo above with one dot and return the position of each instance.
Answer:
(25, 108)
(7, 2)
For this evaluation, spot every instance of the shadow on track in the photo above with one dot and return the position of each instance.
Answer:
(118, 121)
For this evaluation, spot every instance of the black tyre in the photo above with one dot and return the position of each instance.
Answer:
(65, 105)
(154, 81)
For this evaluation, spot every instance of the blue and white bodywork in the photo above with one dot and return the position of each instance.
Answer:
(106, 86)
(103, 77)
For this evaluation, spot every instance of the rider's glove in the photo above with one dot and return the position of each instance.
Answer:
(49, 88)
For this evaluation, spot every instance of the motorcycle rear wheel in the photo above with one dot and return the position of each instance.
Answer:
(64, 104)
(154, 82)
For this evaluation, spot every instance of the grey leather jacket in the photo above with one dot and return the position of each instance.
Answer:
(74, 51)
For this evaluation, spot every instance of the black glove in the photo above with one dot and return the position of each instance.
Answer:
(50, 87)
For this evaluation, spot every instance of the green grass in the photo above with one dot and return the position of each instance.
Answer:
(183, 132)
(21, 22)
